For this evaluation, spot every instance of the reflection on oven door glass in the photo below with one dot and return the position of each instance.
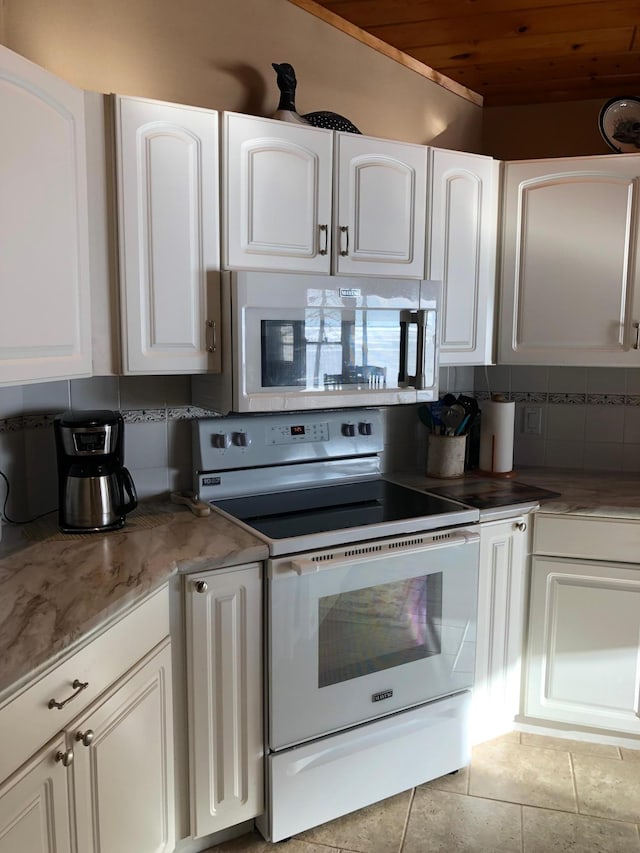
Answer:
(379, 627)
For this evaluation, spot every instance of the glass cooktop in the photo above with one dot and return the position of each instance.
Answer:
(330, 508)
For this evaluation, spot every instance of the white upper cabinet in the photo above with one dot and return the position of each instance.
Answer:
(462, 252)
(168, 221)
(380, 204)
(45, 325)
(279, 212)
(276, 195)
(570, 274)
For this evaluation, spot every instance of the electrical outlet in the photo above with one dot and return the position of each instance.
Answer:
(532, 420)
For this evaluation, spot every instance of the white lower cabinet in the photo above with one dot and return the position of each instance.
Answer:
(94, 774)
(224, 678)
(122, 771)
(34, 805)
(584, 644)
(501, 614)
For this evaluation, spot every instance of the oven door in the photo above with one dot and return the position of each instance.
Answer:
(304, 341)
(363, 631)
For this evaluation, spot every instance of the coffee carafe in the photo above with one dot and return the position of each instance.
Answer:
(95, 490)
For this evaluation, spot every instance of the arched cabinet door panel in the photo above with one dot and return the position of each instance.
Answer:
(462, 252)
(570, 271)
(168, 218)
(45, 326)
(380, 188)
(276, 195)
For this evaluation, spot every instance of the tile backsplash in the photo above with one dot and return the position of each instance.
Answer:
(157, 414)
(588, 418)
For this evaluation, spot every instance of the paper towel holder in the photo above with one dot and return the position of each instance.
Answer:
(485, 472)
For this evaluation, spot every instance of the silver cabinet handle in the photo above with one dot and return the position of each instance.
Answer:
(344, 229)
(78, 686)
(521, 526)
(85, 738)
(213, 345)
(636, 326)
(324, 232)
(202, 586)
(65, 757)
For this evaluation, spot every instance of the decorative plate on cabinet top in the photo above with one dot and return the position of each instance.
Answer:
(619, 123)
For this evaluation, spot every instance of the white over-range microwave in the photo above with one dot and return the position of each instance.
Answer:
(296, 341)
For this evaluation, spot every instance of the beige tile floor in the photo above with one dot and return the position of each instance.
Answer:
(523, 793)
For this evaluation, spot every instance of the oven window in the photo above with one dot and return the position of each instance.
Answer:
(379, 627)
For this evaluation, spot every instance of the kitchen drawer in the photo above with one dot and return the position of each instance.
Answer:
(26, 721)
(587, 537)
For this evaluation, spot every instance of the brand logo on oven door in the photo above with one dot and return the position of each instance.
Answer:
(384, 694)
(349, 291)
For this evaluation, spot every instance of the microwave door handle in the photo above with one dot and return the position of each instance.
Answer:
(405, 320)
(422, 319)
(426, 319)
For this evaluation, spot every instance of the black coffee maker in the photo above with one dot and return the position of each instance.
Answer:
(95, 490)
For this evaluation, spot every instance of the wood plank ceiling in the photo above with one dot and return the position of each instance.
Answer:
(508, 51)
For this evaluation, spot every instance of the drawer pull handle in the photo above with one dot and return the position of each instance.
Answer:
(86, 738)
(202, 586)
(78, 686)
(65, 757)
(521, 526)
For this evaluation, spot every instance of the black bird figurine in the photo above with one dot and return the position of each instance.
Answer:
(287, 107)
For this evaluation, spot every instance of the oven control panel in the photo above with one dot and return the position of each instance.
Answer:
(256, 441)
(295, 433)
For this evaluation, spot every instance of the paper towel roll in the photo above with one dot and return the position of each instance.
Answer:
(496, 436)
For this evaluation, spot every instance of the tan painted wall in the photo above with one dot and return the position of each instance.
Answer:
(543, 130)
(218, 54)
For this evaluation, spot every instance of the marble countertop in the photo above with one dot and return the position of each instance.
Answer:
(606, 494)
(55, 589)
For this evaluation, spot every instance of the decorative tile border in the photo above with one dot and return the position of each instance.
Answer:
(187, 413)
(130, 416)
(563, 398)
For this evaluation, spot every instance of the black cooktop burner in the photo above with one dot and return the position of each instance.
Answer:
(298, 513)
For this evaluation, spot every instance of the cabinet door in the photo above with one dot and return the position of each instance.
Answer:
(224, 673)
(381, 187)
(569, 272)
(123, 785)
(45, 325)
(276, 195)
(168, 218)
(462, 252)
(584, 644)
(34, 806)
(501, 615)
